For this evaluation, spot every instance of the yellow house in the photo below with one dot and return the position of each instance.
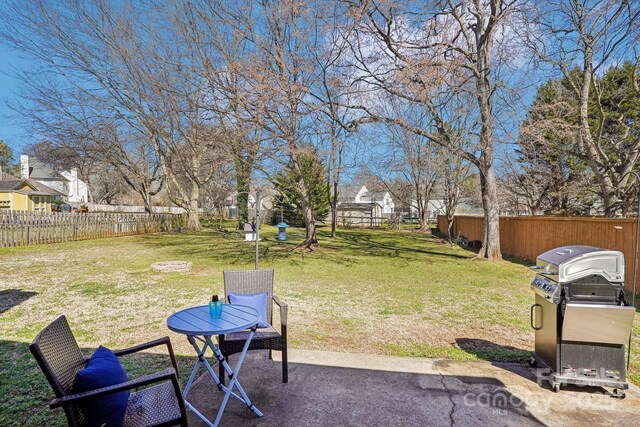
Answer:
(26, 195)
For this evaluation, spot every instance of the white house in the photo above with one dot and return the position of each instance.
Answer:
(434, 208)
(352, 194)
(360, 194)
(383, 198)
(74, 190)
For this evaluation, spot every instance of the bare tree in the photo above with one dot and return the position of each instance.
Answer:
(288, 35)
(223, 33)
(454, 172)
(581, 39)
(131, 62)
(412, 158)
(338, 140)
(415, 54)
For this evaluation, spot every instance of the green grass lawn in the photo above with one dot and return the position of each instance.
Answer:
(374, 291)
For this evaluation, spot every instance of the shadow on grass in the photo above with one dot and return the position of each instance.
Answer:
(365, 244)
(10, 298)
(229, 248)
(26, 393)
(225, 246)
(490, 351)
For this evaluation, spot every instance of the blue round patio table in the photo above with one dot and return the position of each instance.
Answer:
(198, 325)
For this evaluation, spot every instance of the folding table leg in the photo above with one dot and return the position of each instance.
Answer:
(233, 375)
(201, 360)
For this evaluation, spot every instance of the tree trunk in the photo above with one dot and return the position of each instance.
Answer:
(491, 238)
(193, 210)
(146, 200)
(424, 216)
(450, 219)
(307, 212)
(243, 178)
(310, 226)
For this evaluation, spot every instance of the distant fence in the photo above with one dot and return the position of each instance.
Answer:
(361, 221)
(528, 236)
(18, 228)
(95, 207)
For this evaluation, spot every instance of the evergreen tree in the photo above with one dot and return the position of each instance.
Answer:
(553, 166)
(287, 185)
(6, 159)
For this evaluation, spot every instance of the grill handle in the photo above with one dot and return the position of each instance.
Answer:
(533, 307)
(542, 270)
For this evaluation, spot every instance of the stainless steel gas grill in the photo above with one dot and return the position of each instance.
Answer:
(581, 319)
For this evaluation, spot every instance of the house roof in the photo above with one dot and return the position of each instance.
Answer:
(376, 195)
(14, 185)
(38, 170)
(9, 185)
(8, 177)
(349, 191)
(44, 188)
(37, 188)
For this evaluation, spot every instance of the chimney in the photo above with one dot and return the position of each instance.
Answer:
(24, 166)
(74, 182)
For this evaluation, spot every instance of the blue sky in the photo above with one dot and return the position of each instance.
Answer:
(10, 130)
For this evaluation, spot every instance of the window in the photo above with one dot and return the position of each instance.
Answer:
(38, 203)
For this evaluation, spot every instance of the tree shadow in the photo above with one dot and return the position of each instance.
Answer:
(26, 392)
(366, 244)
(10, 298)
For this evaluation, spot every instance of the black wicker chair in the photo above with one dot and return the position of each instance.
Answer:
(57, 352)
(251, 282)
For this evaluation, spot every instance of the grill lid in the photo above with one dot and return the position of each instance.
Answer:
(569, 263)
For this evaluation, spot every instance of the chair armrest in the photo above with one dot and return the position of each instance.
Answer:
(160, 341)
(136, 348)
(167, 374)
(283, 309)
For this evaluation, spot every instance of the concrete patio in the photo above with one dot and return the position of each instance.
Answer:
(342, 389)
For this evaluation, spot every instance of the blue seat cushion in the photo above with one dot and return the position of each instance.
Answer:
(257, 301)
(103, 370)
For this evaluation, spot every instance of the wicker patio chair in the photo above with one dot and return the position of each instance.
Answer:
(57, 352)
(251, 282)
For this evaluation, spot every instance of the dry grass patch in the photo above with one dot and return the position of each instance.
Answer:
(387, 292)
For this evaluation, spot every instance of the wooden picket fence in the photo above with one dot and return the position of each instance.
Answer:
(20, 228)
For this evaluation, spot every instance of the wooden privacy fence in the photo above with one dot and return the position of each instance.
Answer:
(18, 228)
(528, 236)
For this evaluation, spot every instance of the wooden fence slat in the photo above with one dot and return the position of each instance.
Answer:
(20, 228)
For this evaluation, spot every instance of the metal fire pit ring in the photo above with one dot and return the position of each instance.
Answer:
(172, 266)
